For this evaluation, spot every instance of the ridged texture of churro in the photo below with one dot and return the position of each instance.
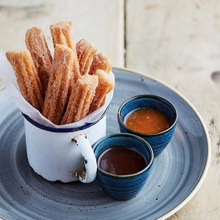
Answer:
(27, 77)
(61, 33)
(57, 91)
(105, 85)
(85, 52)
(37, 45)
(100, 61)
(80, 99)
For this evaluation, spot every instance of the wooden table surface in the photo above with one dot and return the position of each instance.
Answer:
(178, 42)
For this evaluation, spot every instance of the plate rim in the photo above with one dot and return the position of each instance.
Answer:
(208, 160)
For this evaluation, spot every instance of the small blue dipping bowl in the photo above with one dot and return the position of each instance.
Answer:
(158, 140)
(123, 187)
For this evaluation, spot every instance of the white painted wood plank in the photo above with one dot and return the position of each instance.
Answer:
(179, 43)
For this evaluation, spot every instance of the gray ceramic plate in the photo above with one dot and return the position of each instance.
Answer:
(176, 176)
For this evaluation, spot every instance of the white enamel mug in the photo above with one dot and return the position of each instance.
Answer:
(63, 154)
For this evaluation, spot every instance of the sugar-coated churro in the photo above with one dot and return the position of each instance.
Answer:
(61, 33)
(75, 74)
(105, 85)
(80, 99)
(57, 91)
(100, 61)
(37, 45)
(85, 52)
(27, 77)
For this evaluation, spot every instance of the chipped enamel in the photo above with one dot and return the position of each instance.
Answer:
(63, 156)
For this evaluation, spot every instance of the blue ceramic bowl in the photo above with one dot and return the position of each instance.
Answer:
(159, 140)
(123, 187)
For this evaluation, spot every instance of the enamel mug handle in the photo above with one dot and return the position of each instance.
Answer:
(89, 159)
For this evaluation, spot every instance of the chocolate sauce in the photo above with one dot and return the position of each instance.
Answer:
(122, 160)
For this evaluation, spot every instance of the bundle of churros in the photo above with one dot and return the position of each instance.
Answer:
(64, 87)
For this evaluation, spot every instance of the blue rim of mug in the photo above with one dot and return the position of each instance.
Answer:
(153, 97)
(127, 135)
(62, 130)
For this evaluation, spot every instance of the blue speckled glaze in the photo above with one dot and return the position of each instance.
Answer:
(123, 187)
(159, 140)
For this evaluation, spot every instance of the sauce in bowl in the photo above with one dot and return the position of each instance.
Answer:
(147, 120)
(121, 160)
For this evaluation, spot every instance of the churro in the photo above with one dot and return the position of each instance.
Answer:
(27, 77)
(80, 99)
(37, 45)
(57, 91)
(100, 61)
(105, 85)
(61, 33)
(85, 52)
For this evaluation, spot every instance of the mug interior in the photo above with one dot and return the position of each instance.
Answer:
(147, 101)
(127, 140)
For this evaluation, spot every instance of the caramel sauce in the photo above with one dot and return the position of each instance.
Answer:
(121, 160)
(147, 120)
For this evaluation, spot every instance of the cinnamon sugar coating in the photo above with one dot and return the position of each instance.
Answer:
(61, 33)
(37, 45)
(27, 77)
(105, 85)
(85, 52)
(80, 99)
(75, 74)
(57, 91)
(100, 61)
